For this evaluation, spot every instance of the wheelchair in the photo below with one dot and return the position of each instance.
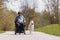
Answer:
(19, 28)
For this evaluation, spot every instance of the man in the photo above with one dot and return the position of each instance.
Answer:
(19, 23)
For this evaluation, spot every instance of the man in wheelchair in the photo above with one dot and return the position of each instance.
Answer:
(20, 23)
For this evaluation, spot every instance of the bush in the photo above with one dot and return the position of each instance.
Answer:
(6, 20)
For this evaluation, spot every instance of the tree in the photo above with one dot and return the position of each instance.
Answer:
(52, 7)
(28, 12)
(2, 5)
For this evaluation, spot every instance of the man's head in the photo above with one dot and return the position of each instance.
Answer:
(19, 13)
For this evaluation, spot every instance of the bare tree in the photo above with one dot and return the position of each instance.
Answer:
(27, 11)
(2, 4)
(52, 7)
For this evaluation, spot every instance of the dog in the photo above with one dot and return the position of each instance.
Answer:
(31, 26)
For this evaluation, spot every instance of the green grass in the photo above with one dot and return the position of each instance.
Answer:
(1, 31)
(53, 29)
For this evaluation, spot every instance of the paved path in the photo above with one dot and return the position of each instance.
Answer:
(9, 35)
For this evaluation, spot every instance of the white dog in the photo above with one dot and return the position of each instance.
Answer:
(31, 26)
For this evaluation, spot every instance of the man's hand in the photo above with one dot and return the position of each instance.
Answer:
(18, 24)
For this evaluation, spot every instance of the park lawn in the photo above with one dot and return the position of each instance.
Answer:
(53, 29)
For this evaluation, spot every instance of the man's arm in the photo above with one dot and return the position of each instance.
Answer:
(24, 20)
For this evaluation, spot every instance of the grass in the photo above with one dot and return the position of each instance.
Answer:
(1, 31)
(53, 29)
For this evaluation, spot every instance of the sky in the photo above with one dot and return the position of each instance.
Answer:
(15, 5)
